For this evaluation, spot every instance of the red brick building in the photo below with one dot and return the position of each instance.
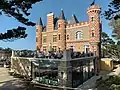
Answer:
(61, 34)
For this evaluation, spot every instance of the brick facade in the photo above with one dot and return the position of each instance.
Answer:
(60, 34)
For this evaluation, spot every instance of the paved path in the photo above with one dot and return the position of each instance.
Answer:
(8, 82)
(4, 76)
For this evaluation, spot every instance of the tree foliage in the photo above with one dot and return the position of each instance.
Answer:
(113, 10)
(109, 48)
(115, 25)
(113, 14)
(105, 39)
(18, 9)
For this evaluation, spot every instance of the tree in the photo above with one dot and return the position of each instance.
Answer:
(8, 50)
(106, 42)
(115, 25)
(113, 14)
(105, 39)
(19, 10)
(109, 48)
(113, 10)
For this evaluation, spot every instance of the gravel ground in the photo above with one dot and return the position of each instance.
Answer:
(8, 82)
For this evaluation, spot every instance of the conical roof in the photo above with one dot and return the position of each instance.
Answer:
(74, 19)
(93, 3)
(40, 22)
(62, 15)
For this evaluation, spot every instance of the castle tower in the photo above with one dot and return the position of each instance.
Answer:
(95, 33)
(61, 32)
(39, 28)
(94, 28)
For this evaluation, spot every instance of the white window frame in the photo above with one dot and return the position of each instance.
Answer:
(79, 35)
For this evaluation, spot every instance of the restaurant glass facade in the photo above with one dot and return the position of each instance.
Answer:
(47, 71)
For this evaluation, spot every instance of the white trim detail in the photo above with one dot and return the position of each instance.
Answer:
(50, 14)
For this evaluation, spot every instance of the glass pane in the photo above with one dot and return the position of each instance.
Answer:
(46, 71)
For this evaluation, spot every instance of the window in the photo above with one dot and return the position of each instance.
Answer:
(44, 39)
(44, 48)
(92, 19)
(71, 47)
(54, 38)
(67, 37)
(59, 36)
(79, 35)
(86, 48)
(59, 49)
(93, 34)
(54, 48)
(62, 74)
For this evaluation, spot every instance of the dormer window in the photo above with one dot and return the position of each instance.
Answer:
(79, 35)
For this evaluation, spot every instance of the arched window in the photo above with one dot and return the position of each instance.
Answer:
(79, 35)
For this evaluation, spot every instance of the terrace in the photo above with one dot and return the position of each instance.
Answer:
(63, 69)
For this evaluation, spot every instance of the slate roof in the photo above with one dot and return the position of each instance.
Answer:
(62, 16)
(73, 20)
(40, 22)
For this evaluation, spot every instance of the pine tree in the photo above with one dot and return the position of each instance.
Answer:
(113, 14)
(17, 9)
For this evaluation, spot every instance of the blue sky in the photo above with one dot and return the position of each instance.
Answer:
(41, 9)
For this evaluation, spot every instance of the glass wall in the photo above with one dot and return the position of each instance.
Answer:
(77, 73)
(82, 71)
(45, 72)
